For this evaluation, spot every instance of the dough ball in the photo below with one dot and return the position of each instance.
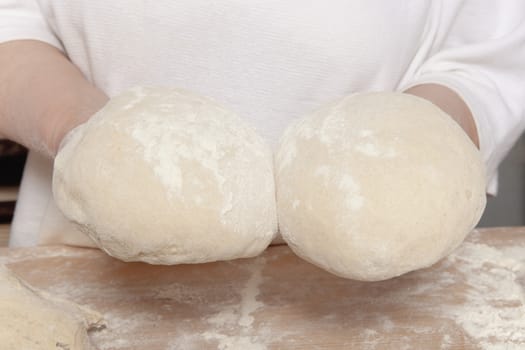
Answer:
(165, 176)
(376, 185)
(31, 319)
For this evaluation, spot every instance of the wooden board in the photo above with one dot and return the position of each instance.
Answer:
(472, 300)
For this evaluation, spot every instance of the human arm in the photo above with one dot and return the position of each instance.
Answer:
(477, 51)
(42, 95)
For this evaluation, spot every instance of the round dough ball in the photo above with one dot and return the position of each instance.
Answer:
(165, 176)
(31, 319)
(376, 185)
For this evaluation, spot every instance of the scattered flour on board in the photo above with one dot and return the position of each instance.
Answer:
(20, 255)
(494, 305)
(232, 327)
(490, 310)
(488, 305)
(233, 319)
(446, 342)
(240, 315)
(119, 329)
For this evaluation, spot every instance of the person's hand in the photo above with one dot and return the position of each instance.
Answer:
(450, 103)
(42, 95)
(53, 134)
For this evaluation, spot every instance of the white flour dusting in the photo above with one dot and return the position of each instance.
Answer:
(17, 255)
(171, 134)
(354, 200)
(478, 287)
(446, 342)
(194, 145)
(374, 150)
(370, 145)
(239, 317)
(347, 184)
(494, 305)
(227, 342)
(119, 331)
(476, 292)
(249, 303)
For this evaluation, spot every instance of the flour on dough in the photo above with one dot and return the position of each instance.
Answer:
(375, 185)
(166, 176)
(31, 319)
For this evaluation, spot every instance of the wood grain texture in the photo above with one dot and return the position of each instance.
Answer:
(278, 301)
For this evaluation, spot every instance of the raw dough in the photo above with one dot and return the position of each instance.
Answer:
(32, 320)
(375, 185)
(165, 176)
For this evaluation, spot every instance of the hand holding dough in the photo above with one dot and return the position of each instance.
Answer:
(376, 185)
(165, 176)
(30, 319)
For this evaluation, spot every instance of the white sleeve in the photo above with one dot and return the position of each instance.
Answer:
(477, 49)
(23, 19)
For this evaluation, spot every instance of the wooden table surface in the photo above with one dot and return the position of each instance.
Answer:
(471, 300)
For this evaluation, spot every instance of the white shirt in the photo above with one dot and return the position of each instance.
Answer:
(273, 61)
